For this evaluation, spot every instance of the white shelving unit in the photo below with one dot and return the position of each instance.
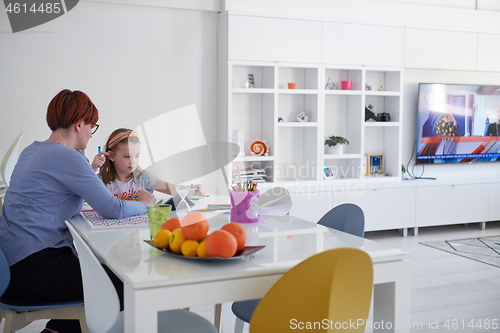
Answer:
(256, 111)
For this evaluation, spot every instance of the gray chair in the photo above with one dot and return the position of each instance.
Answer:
(102, 306)
(345, 217)
(19, 315)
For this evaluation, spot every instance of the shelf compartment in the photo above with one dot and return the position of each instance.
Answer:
(343, 114)
(291, 105)
(298, 146)
(389, 80)
(254, 114)
(341, 74)
(380, 140)
(267, 166)
(348, 168)
(263, 76)
(304, 77)
(389, 104)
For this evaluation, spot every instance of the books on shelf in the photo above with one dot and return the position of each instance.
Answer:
(250, 174)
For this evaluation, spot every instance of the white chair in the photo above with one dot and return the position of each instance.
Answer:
(7, 166)
(10, 159)
(276, 202)
(102, 306)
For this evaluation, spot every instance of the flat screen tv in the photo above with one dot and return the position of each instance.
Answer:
(458, 123)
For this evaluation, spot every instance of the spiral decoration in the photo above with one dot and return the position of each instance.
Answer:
(259, 148)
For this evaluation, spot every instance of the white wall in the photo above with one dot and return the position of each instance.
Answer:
(135, 62)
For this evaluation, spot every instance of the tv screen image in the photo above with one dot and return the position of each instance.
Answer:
(458, 123)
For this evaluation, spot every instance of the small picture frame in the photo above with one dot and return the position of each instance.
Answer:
(375, 164)
(328, 173)
(366, 164)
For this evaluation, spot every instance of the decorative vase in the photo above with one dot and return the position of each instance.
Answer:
(338, 149)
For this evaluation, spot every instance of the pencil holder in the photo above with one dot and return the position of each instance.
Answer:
(245, 206)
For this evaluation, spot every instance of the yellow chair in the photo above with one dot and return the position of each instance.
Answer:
(327, 292)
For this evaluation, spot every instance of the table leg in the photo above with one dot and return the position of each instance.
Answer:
(139, 315)
(391, 297)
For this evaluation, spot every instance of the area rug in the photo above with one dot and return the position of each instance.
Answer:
(483, 249)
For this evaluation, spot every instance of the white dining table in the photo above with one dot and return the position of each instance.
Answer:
(155, 281)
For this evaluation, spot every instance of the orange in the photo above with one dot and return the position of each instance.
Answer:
(238, 232)
(221, 243)
(171, 224)
(189, 248)
(162, 239)
(195, 225)
(176, 240)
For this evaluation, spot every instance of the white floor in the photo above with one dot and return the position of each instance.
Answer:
(446, 288)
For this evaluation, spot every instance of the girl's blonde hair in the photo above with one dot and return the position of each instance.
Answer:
(119, 136)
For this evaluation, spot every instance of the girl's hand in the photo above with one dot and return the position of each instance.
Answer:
(200, 189)
(146, 197)
(99, 160)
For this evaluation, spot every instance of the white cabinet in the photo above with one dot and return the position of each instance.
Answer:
(268, 112)
(452, 204)
(253, 112)
(494, 202)
(438, 49)
(488, 48)
(358, 44)
(384, 208)
(311, 206)
(253, 38)
(344, 115)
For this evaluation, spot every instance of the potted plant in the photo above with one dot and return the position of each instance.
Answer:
(336, 144)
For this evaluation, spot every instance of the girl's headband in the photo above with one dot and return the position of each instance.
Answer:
(120, 137)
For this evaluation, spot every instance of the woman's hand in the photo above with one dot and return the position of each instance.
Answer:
(146, 197)
(99, 160)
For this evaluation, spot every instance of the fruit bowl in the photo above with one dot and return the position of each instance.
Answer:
(247, 250)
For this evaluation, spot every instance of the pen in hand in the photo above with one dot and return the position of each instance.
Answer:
(98, 149)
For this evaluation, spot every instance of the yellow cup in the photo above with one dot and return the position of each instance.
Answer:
(157, 215)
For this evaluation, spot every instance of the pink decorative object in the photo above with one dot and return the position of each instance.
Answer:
(346, 85)
(245, 206)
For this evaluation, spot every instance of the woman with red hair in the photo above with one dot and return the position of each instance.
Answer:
(48, 185)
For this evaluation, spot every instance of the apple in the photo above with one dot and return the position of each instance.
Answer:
(176, 240)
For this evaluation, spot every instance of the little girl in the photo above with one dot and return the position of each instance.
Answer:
(121, 173)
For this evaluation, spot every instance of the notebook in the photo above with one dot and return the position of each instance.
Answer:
(96, 221)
